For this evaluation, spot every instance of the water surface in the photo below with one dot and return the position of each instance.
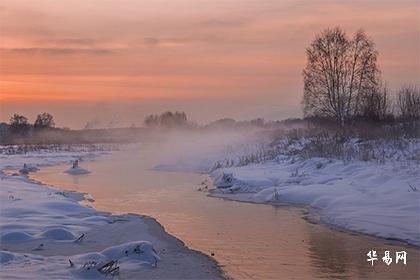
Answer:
(250, 241)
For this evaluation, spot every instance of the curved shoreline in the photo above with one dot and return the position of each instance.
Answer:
(161, 229)
(361, 196)
(177, 260)
(98, 186)
(155, 226)
(312, 216)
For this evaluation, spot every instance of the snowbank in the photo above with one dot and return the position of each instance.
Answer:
(368, 186)
(48, 234)
(367, 197)
(77, 171)
(13, 158)
(37, 219)
(94, 265)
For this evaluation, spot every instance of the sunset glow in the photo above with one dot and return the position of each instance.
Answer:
(210, 139)
(245, 57)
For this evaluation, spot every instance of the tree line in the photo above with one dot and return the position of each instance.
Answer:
(342, 81)
(20, 124)
(167, 119)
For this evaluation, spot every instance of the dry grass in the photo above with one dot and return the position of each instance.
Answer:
(364, 142)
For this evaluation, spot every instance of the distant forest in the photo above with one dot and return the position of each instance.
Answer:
(43, 131)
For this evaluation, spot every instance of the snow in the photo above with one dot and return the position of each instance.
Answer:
(128, 256)
(77, 171)
(42, 228)
(27, 168)
(48, 234)
(370, 186)
(360, 196)
(13, 158)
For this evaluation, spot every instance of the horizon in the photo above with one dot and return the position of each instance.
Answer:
(120, 61)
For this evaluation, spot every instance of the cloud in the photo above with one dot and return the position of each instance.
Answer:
(168, 42)
(151, 41)
(61, 51)
(72, 41)
(224, 23)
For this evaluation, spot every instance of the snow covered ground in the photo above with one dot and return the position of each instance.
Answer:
(48, 234)
(381, 199)
(367, 186)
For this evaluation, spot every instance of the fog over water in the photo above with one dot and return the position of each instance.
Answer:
(249, 240)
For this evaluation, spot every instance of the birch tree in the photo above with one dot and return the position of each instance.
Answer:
(341, 74)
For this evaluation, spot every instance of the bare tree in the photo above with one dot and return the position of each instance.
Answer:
(18, 121)
(167, 119)
(376, 105)
(44, 120)
(408, 102)
(340, 74)
(151, 120)
(19, 124)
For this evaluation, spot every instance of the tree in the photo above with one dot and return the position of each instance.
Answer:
(376, 106)
(151, 120)
(257, 122)
(170, 119)
(341, 74)
(408, 102)
(19, 123)
(166, 119)
(44, 120)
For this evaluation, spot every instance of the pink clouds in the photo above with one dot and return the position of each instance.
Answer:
(214, 50)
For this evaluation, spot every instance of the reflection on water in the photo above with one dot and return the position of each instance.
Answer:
(327, 255)
(343, 256)
(248, 240)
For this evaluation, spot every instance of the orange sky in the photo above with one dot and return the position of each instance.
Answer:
(117, 61)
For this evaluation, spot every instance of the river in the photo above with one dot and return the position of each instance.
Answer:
(249, 241)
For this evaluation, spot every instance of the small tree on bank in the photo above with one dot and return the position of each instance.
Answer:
(408, 103)
(341, 77)
(43, 121)
(167, 119)
(377, 106)
(19, 124)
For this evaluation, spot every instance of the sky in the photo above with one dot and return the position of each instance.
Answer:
(113, 62)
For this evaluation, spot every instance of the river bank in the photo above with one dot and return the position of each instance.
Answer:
(246, 245)
(48, 233)
(376, 199)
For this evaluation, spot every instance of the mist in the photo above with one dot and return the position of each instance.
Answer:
(199, 150)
